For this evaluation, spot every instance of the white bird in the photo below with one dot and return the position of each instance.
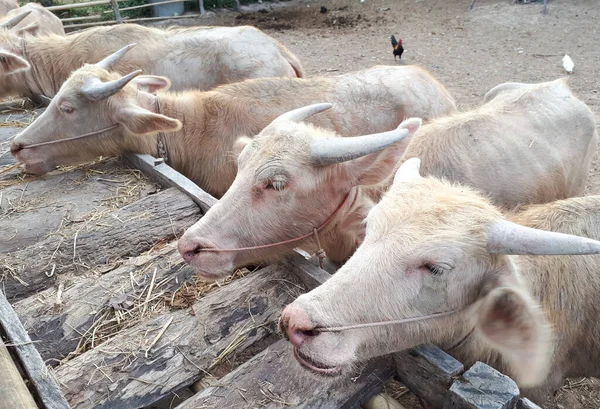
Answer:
(568, 64)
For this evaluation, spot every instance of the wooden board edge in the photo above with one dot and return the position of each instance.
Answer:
(165, 175)
(48, 391)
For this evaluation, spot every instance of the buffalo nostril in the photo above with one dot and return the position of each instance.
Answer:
(308, 333)
(297, 336)
(16, 147)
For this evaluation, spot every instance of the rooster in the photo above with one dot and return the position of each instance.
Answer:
(398, 49)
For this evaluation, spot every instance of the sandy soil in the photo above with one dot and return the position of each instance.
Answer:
(470, 52)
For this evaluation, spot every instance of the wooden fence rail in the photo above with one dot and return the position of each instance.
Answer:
(116, 10)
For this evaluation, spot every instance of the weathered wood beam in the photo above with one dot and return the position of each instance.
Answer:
(482, 387)
(125, 232)
(82, 307)
(138, 367)
(525, 403)
(273, 379)
(166, 175)
(13, 390)
(47, 390)
(428, 372)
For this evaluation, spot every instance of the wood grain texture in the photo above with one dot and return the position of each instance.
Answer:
(32, 210)
(123, 233)
(88, 301)
(118, 375)
(47, 390)
(273, 379)
(13, 390)
(167, 176)
(482, 387)
(428, 372)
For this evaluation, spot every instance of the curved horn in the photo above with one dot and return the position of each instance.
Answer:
(300, 114)
(328, 151)
(10, 23)
(510, 238)
(96, 90)
(108, 62)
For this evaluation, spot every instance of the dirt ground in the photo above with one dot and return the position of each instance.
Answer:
(470, 52)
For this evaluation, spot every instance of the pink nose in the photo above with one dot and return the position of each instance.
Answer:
(188, 249)
(296, 325)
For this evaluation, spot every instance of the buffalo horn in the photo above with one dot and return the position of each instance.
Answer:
(10, 23)
(510, 238)
(300, 114)
(328, 151)
(108, 62)
(96, 90)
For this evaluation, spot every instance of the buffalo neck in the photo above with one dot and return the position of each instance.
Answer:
(50, 63)
(198, 151)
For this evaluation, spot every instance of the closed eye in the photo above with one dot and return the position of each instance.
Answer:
(278, 185)
(436, 269)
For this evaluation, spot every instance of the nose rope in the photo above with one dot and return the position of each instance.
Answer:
(384, 323)
(314, 232)
(35, 145)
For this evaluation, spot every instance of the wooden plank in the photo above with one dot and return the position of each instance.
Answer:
(201, 5)
(78, 5)
(92, 17)
(119, 375)
(307, 271)
(158, 3)
(115, 8)
(482, 387)
(38, 208)
(428, 372)
(166, 175)
(125, 232)
(132, 20)
(13, 390)
(47, 390)
(525, 403)
(273, 379)
(90, 302)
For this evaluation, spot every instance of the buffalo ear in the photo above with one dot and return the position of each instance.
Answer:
(11, 63)
(511, 321)
(239, 145)
(151, 83)
(140, 121)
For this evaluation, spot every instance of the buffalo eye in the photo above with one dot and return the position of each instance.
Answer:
(435, 269)
(66, 108)
(278, 185)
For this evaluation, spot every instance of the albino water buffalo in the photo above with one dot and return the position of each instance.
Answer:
(202, 127)
(529, 144)
(32, 19)
(193, 58)
(7, 5)
(483, 285)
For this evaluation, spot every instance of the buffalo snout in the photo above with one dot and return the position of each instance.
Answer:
(296, 325)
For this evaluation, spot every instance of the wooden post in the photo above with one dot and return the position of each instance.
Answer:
(115, 7)
(238, 6)
(202, 11)
(13, 390)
